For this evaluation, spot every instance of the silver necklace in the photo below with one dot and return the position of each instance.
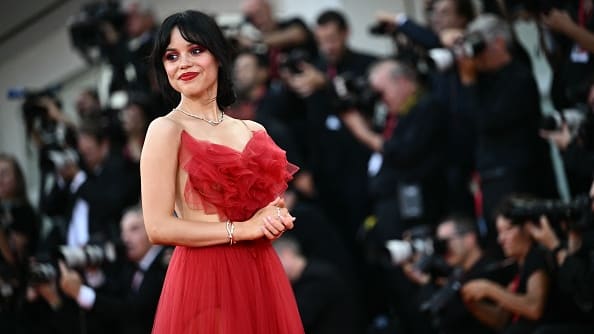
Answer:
(210, 122)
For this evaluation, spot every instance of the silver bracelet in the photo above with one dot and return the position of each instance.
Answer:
(230, 227)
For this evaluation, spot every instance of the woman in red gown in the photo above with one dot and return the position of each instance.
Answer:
(210, 186)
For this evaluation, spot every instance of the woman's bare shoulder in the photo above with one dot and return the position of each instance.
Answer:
(164, 127)
(254, 126)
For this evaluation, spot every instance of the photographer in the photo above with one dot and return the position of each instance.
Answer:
(279, 37)
(336, 154)
(574, 276)
(90, 200)
(463, 253)
(95, 291)
(124, 37)
(502, 95)
(577, 146)
(49, 129)
(129, 302)
(523, 305)
(408, 187)
(448, 21)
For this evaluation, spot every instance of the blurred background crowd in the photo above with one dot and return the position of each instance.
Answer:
(444, 187)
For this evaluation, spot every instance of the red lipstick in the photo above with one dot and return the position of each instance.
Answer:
(188, 76)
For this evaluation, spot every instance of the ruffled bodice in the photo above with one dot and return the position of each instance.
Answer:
(233, 184)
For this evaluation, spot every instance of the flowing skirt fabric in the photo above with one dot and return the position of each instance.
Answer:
(227, 289)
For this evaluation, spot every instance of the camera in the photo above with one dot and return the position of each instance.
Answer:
(234, 27)
(457, 278)
(91, 255)
(381, 29)
(579, 120)
(37, 121)
(577, 213)
(34, 114)
(471, 45)
(42, 272)
(572, 117)
(418, 241)
(350, 91)
(86, 29)
(293, 59)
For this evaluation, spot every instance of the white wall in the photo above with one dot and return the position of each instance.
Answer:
(42, 55)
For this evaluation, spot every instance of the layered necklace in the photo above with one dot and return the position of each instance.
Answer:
(210, 122)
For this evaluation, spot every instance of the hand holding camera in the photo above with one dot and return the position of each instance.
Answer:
(544, 234)
(48, 291)
(70, 281)
(307, 80)
(414, 274)
(561, 137)
(467, 70)
(386, 23)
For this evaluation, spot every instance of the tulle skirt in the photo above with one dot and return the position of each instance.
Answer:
(227, 290)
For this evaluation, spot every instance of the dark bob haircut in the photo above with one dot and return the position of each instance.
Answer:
(199, 28)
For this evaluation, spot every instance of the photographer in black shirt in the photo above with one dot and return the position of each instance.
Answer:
(463, 253)
(575, 141)
(522, 305)
(574, 259)
(501, 93)
(335, 152)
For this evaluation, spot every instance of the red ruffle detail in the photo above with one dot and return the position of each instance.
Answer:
(231, 183)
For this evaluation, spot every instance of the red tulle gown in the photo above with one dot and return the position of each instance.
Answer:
(239, 289)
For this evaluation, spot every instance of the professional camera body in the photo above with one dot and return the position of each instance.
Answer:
(579, 120)
(35, 115)
(440, 299)
(88, 256)
(87, 27)
(292, 59)
(577, 213)
(42, 272)
(418, 241)
(51, 136)
(381, 29)
(469, 46)
(420, 246)
(350, 91)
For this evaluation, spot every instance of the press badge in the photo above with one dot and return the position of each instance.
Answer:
(333, 123)
(374, 164)
(579, 55)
